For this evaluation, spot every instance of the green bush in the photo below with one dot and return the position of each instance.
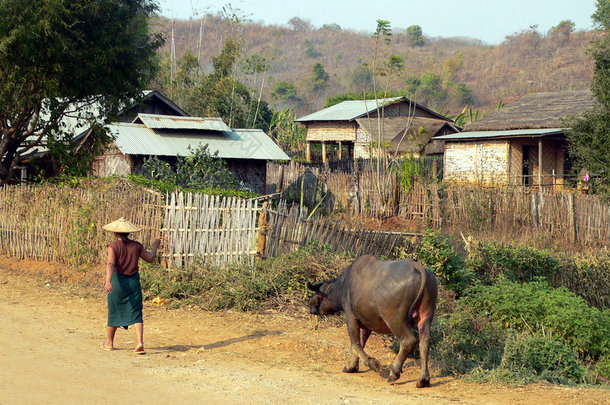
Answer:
(586, 276)
(168, 187)
(536, 306)
(466, 340)
(517, 263)
(438, 254)
(541, 358)
(518, 333)
(602, 368)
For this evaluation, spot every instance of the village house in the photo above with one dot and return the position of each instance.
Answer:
(522, 143)
(398, 124)
(156, 126)
(245, 151)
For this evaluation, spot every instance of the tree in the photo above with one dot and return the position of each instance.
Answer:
(320, 77)
(178, 88)
(331, 27)
(415, 35)
(298, 24)
(310, 50)
(198, 170)
(58, 57)
(562, 31)
(220, 94)
(361, 78)
(589, 138)
(284, 91)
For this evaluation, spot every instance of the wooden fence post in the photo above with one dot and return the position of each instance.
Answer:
(262, 231)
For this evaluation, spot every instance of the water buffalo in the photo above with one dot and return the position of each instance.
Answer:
(388, 297)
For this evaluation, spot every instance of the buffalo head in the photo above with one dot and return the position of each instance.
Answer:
(321, 303)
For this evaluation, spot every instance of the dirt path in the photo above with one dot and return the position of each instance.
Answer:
(49, 335)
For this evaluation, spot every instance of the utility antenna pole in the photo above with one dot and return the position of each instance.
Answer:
(172, 56)
(201, 28)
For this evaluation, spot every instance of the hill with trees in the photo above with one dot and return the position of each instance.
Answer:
(299, 66)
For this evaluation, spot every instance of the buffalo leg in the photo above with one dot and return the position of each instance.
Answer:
(407, 345)
(354, 361)
(424, 346)
(354, 331)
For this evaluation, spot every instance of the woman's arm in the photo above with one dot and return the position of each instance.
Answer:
(110, 269)
(150, 256)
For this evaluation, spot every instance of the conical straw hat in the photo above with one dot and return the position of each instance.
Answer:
(121, 225)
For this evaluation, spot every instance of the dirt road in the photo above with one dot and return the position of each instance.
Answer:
(49, 335)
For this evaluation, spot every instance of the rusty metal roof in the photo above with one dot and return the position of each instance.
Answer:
(155, 121)
(138, 139)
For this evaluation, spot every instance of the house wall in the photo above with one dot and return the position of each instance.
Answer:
(362, 150)
(481, 162)
(252, 172)
(319, 131)
(113, 162)
(331, 131)
(150, 106)
(553, 158)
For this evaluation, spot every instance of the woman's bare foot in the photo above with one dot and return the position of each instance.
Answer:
(140, 350)
(105, 346)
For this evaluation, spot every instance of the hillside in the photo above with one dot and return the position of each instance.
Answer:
(528, 61)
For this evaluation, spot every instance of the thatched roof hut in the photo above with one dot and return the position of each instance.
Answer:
(536, 111)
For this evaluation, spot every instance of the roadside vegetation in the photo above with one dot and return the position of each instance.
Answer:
(504, 316)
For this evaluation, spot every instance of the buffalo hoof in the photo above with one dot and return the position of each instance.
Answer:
(393, 376)
(423, 383)
(374, 364)
(350, 369)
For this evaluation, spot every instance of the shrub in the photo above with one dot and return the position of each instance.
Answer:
(438, 254)
(602, 368)
(466, 340)
(517, 263)
(586, 276)
(536, 306)
(541, 358)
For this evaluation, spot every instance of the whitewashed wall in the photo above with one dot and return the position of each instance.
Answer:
(483, 162)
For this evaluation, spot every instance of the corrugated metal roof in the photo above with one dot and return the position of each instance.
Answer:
(156, 121)
(348, 110)
(501, 134)
(137, 139)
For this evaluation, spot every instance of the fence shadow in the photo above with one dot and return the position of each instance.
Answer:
(221, 343)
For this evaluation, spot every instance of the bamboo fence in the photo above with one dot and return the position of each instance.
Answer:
(577, 218)
(210, 228)
(64, 224)
(288, 230)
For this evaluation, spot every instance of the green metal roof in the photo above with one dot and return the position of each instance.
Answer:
(348, 110)
(138, 139)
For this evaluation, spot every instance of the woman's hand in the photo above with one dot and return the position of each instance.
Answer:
(108, 287)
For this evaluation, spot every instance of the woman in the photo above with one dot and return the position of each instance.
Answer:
(123, 282)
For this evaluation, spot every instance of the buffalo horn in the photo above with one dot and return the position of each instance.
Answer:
(314, 287)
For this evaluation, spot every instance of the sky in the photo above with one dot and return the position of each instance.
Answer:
(487, 20)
